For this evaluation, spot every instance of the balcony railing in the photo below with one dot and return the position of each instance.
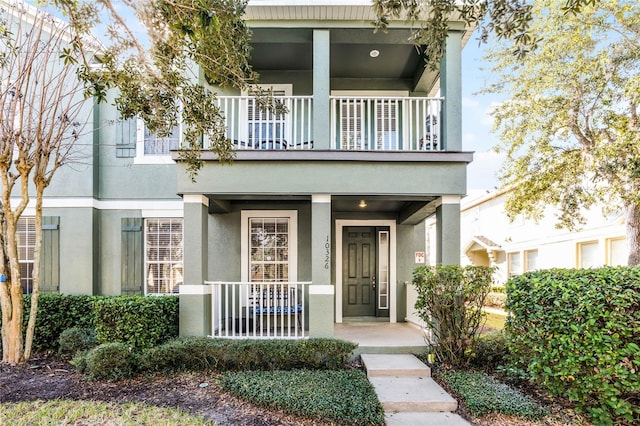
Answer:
(258, 310)
(357, 123)
(385, 123)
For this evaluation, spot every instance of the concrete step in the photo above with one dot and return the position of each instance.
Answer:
(412, 394)
(400, 365)
(424, 419)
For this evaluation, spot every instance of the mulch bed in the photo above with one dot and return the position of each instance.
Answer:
(49, 377)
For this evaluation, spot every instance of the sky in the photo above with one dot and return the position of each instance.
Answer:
(476, 120)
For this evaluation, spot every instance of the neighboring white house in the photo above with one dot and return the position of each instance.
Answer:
(489, 238)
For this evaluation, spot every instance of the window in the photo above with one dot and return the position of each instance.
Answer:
(269, 246)
(26, 232)
(530, 260)
(514, 264)
(151, 149)
(588, 255)
(617, 251)
(266, 129)
(163, 255)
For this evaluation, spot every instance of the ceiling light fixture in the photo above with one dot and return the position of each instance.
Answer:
(374, 53)
(362, 204)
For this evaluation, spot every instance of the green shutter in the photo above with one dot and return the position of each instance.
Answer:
(126, 137)
(132, 259)
(50, 255)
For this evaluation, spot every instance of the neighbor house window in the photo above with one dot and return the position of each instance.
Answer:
(268, 246)
(26, 232)
(530, 260)
(514, 264)
(589, 255)
(163, 255)
(152, 149)
(617, 251)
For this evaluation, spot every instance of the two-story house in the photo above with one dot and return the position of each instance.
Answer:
(321, 217)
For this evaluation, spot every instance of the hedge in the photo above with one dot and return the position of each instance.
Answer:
(135, 320)
(576, 332)
(140, 321)
(206, 354)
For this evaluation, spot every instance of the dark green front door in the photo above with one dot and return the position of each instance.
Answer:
(358, 271)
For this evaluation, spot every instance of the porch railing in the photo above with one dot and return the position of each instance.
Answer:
(357, 123)
(249, 127)
(258, 309)
(386, 123)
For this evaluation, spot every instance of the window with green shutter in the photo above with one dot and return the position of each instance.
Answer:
(126, 136)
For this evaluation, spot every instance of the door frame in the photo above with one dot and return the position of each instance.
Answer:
(391, 224)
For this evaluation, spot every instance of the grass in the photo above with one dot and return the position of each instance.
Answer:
(341, 396)
(494, 321)
(66, 412)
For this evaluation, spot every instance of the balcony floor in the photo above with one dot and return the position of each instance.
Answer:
(382, 337)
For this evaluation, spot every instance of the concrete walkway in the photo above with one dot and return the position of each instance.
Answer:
(407, 392)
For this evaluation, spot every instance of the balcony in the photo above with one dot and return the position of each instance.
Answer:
(357, 124)
(258, 310)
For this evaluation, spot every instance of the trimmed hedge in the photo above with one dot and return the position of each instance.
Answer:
(576, 332)
(110, 361)
(56, 313)
(338, 396)
(202, 354)
(140, 321)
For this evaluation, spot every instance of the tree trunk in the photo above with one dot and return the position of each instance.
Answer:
(12, 344)
(633, 234)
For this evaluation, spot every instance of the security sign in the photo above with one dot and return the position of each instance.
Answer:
(420, 257)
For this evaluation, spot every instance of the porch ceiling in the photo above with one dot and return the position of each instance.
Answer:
(291, 49)
(407, 210)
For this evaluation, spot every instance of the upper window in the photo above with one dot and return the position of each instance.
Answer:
(163, 255)
(266, 129)
(26, 233)
(151, 149)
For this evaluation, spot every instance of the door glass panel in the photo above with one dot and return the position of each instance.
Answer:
(383, 270)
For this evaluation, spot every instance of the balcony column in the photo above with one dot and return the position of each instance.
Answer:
(321, 90)
(448, 231)
(195, 297)
(451, 84)
(321, 292)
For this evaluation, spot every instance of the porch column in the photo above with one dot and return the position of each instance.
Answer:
(195, 297)
(321, 90)
(448, 231)
(451, 84)
(322, 292)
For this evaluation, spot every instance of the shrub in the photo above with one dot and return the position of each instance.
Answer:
(201, 353)
(110, 361)
(490, 350)
(140, 321)
(450, 301)
(76, 339)
(576, 332)
(482, 395)
(343, 397)
(56, 313)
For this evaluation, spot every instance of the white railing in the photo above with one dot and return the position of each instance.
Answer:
(258, 310)
(249, 127)
(385, 123)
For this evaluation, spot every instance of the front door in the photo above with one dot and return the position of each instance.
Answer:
(359, 271)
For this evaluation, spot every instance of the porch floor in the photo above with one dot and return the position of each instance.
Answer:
(382, 338)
